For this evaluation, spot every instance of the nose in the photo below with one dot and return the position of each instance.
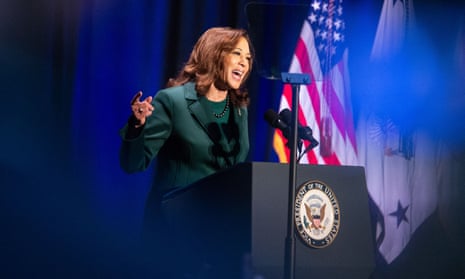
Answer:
(243, 61)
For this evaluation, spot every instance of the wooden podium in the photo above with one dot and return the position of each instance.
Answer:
(242, 211)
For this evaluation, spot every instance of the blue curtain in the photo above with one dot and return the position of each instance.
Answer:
(126, 46)
(68, 72)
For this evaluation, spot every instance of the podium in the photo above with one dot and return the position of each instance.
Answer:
(239, 215)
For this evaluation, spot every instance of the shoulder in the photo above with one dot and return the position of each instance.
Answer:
(185, 91)
(187, 88)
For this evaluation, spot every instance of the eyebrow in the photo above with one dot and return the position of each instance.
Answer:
(238, 48)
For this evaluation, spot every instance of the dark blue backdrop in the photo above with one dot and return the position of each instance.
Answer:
(125, 46)
(69, 70)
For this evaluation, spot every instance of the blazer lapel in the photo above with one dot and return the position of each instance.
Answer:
(240, 118)
(196, 108)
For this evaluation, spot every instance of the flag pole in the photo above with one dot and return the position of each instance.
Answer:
(295, 80)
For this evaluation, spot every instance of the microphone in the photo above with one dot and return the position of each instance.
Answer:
(304, 133)
(282, 121)
(276, 122)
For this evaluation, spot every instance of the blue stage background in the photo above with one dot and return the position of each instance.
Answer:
(69, 70)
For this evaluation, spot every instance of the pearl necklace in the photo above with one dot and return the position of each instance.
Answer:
(225, 109)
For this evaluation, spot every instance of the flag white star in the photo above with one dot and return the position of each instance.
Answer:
(312, 18)
(316, 5)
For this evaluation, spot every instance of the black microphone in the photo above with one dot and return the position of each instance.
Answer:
(276, 122)
(304, 133)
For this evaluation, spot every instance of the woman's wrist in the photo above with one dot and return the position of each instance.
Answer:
(134, 127)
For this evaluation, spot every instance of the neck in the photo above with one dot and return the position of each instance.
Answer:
(216, 95)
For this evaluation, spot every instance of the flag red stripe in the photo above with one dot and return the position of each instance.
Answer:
(304, 60)
(335, 107)
(349, 123)
(302, 56)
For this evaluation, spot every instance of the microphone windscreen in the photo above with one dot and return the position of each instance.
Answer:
(271, 117)
(285, 116)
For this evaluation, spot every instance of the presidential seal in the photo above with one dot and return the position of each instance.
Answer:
(317, 214)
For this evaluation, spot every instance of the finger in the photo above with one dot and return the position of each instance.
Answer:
(147, 107)
(147, 104)
(147, 100)
(136, 97)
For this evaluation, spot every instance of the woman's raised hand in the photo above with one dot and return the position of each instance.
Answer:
(141, 109)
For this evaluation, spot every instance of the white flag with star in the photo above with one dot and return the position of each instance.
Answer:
(405, 189)
(400, 159)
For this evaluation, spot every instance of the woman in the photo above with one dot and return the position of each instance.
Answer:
(198, 125)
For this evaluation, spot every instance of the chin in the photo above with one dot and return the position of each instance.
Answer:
(234, 85)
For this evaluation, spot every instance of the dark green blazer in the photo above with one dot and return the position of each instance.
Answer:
(185, 138)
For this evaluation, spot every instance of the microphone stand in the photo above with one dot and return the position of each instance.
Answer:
(295, 80)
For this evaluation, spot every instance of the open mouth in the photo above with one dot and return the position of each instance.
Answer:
(237, 74)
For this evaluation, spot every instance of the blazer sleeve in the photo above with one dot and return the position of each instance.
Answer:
(136, 154)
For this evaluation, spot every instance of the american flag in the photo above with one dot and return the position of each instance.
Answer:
(325, 104)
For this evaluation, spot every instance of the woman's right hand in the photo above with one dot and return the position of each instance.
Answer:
(141, 109)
